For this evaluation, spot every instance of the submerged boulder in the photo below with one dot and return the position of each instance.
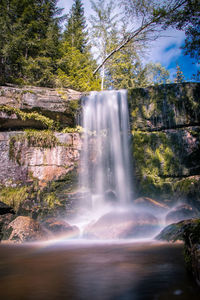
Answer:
(122, 224)
(179, 213)
(60, 227)
(24, 229)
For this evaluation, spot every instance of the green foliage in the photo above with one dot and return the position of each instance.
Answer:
(51, 200)
(188, 19)
(156, 161)
(75, 70)
(28, 41)
(179, 75)
(14, 196)
(124, 69)
(155, 73)
(75, 66)
(75, 32)
(77, 129)
(103, 27)
(27, 116)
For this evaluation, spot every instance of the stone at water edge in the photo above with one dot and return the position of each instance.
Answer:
(189, 232)
(125, 224)
(24, 229)
(181, 212)
(60, 227)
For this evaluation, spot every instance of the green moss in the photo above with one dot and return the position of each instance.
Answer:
(28, 92)
(77, 129)
(28, 116)
(14, 196)
(63, 94)
(33, 138)
(51, 201)
(156, 162)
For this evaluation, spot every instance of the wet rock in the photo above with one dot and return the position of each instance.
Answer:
(181, 212)
(151, 204)
(5, 209)
(189, 232)
(60, 227)
(5, 219)
(177, 231)
(24, 229)
(124, 224)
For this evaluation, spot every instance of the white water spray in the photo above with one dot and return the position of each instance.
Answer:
(105, 163)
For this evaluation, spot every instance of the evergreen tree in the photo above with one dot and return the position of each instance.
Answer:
(75, 66)
(29, 38)
(75, 32)
(76, 70)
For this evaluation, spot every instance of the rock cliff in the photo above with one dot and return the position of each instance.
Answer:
(165, 124)
(40, 146)
(39, 150)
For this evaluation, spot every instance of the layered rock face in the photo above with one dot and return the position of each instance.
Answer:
(58, 105)
(39, 150)
(21, 161)
(40, 165)
(165, 123)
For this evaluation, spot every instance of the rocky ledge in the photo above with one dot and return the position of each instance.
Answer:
(189, 232)
(40, 108)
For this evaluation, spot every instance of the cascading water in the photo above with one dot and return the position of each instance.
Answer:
(105, 173)
(105, 162)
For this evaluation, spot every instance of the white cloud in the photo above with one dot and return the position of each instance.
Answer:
(166, 48)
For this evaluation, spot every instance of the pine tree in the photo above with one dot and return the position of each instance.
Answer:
(76, 70)
(27, 53)
(76, 65)
(75, 32)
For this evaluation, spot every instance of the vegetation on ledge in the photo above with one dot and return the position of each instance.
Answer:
(14, 196)
(48, 123)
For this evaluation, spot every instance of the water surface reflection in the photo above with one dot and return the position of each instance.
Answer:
(145, 270)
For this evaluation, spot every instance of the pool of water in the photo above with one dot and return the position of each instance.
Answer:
(89, 270)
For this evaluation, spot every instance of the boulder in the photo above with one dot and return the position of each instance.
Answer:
(187, 231)
(60, 227)
(122, 224)
(179, 213)
(177, 231)
(150, 204)
(24, 229)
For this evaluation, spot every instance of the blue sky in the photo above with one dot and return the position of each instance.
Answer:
(165, 50)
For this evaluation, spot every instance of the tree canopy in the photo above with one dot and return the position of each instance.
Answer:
(35, 48)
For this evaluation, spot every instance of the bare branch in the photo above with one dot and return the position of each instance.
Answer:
(154, 21)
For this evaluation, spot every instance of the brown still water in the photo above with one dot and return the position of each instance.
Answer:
(114, 271)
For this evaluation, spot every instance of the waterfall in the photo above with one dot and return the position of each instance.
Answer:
(105, 160)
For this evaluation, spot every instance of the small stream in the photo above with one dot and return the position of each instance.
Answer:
(94, 270)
